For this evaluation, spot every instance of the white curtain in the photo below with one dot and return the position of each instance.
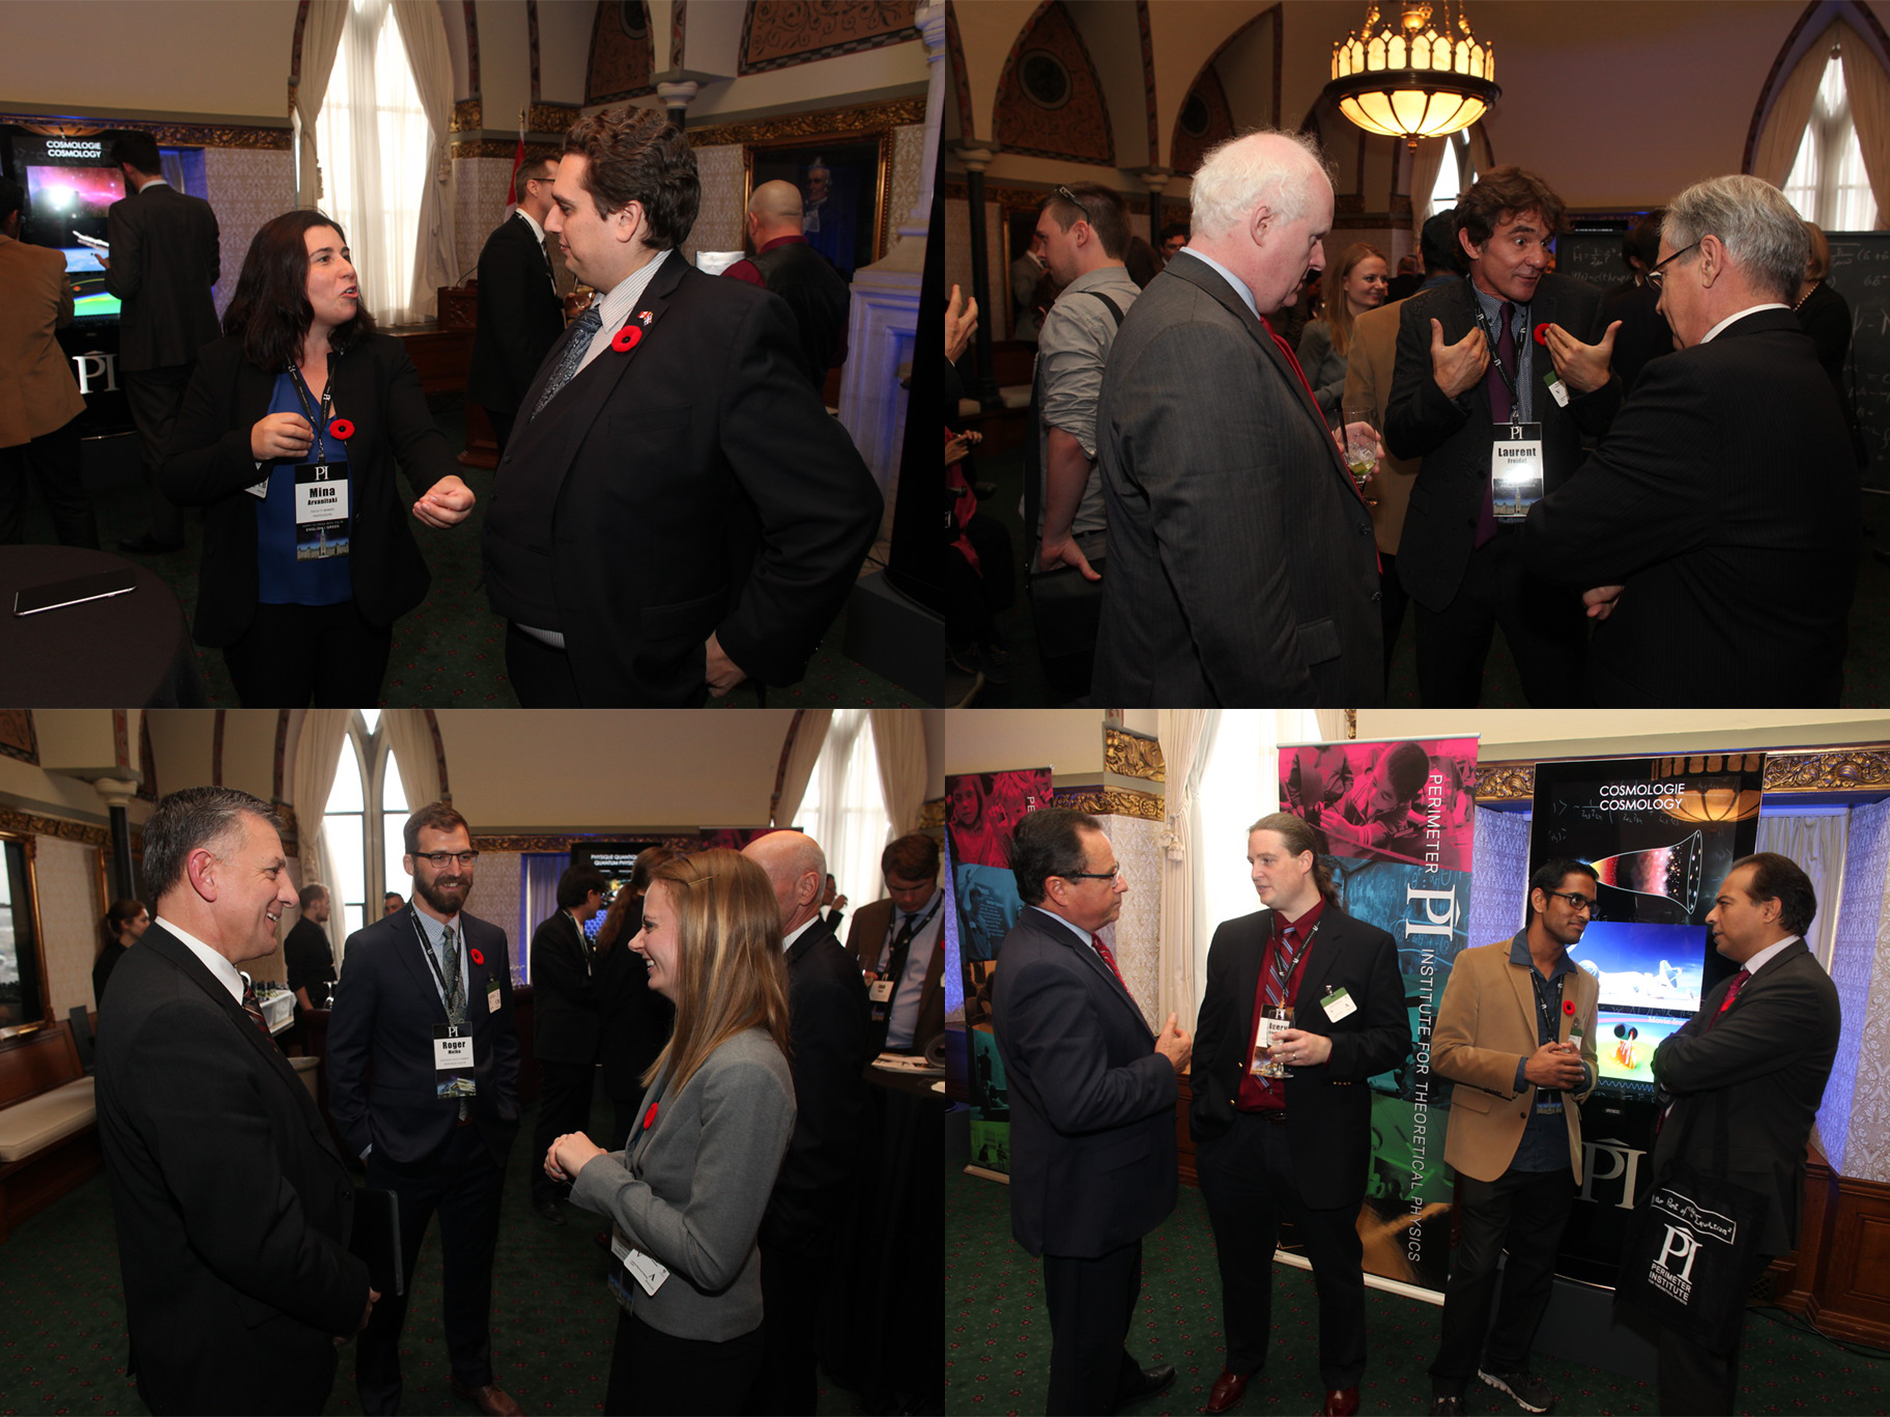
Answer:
(809, 735)
(1185, 736)
(1480, 155)
(425, 36)
(1426, 163)
(410, 739)
(1816, 842)
(1784, 130)
(899, 744)
(317, 751)
(321, 38)
(1869, 89)
(844, 809)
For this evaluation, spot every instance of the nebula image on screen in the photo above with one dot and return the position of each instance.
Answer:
(73, 192)
(1672, 871)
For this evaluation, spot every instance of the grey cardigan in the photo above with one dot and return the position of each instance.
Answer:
(690, 1188)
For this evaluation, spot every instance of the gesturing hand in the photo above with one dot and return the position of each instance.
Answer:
(280, 435)
(1174, 1045)
(1459, 366)
(447, 502)
(1584, 367)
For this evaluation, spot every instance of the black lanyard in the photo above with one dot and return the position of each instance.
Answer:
(926, 919)
(1489, 338)
(300, 385)
(426, 948)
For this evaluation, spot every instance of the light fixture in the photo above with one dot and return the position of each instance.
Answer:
(1405, 78)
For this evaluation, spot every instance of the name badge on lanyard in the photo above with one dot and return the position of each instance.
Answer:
(1516, 470)
(453, 1062)
(321, 511)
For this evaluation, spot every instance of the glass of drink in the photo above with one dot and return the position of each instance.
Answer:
(1273, 1019)
(1358, 441)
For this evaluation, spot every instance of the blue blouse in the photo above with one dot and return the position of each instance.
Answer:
(280, 578)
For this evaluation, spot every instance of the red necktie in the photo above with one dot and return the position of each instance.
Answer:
(254, 1009)
(1108, 959)
(1732, 992)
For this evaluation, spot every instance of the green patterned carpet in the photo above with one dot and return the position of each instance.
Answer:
(997, 1337)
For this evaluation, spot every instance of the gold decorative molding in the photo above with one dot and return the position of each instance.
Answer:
(683, 841)
(33, 824)
(1110, 802)
(506, 148)
(170, 135)
(863, 118)
(1131, 755)
(552, 117)
(1351, 723)
(1506, 782)
(932, 815)
(468, 116)
(1829, 770)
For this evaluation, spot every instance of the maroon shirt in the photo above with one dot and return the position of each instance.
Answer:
(1269, 1094)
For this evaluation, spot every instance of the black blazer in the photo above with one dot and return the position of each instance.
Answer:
(165, 256)
(564, 994)
(1242, 569)
(1725, 500)
(209, 465)
(1766, 1060)
(1092, 1102)
(818, 296)
(1453, 436)
(701, 464)
(828, 1009)
(520, 316)
(1329, 1107)
(232, 1206)
(380, 1043)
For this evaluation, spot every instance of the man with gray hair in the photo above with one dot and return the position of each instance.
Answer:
(828, 1023)
(1241, 568)
(232, 1205)
(1718, 520)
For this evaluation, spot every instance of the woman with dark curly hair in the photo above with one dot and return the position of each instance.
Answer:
(288, 439)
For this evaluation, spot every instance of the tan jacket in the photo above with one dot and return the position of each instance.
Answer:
(1486, 1023)
(38, 392)
(1369, 359)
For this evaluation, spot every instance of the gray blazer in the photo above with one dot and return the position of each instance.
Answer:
(690, 1188)
(1324, 366)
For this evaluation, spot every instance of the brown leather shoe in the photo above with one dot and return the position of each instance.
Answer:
(1227, 1391)
(1341, 1402)
(491, 1399)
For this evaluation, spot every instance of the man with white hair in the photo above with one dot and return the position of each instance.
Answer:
(1241, 558)
(831, 1047)
(1715, 528)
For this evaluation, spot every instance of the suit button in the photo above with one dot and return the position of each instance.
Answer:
(1378, 595)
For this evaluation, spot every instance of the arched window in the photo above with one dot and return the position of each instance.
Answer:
(361, 824)
(374, 139)
(1828, 183)
(1454, 175)
(844, 808)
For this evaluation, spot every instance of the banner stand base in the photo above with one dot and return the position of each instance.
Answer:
(988, 1174)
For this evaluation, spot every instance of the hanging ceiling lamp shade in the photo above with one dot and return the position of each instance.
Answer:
(1405, 79)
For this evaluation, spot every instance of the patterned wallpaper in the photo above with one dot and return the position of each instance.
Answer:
(66, 873)
(1188, 150)
(1135, 939)
(621, 63)
(724, 199)
(780, 33)
(478, 206)
(495, 899)
(1078, 129)
(908, 158)
(1854, 1122)
(247, 188)
(1499, 875)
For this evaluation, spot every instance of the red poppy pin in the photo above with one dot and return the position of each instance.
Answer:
(341, 428)
(626, 339)
(1568, 1007)
(1542, 333)
(477, 958)
(649, 1117)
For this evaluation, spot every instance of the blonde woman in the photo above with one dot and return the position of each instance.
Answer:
(1361, 284)
(687, 1192)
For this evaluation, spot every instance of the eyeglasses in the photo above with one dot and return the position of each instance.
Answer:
(442, 859)
(1657, 274)
(1067, 195)
(1111, 874)
(1575, 899)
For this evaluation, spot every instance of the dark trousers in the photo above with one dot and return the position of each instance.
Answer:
(501, 420)
(564, 1105)
(658, 1373)
(1248, 1183)
(541, 676)
(52, 461)
(465, 1185)
(293, 653)
(794, 1288)
(1391, 603)
(1694, 1381)
(1521, 1212)
(1090, 1303)
(1545, 625)
(154, 397)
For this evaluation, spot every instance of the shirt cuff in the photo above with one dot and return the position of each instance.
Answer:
(1522, 1080)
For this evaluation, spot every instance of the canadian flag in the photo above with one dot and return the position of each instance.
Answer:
(511, 189)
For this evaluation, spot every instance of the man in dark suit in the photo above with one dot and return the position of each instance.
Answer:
(307, 958)
(827, 1018)
(520, 315)
(899, 943)
(1754, 1058)
(1093, 1092)
(232, 1206)
(1241, 569)
(564, 1025)
(439, 1118)
(785, 264)
(1721, 511)
(1297, 1147)
(164, 259)
(1468, 387)
(684, 515)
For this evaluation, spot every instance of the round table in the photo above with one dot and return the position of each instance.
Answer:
(129, 651)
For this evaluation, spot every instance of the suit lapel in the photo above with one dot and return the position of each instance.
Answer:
(408, 946)
(1092, 961)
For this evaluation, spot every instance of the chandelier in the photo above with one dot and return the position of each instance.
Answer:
(1406, 78)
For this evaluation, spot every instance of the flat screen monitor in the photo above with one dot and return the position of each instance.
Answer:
(1642, 965)
(1625, 1042)
(66, 205)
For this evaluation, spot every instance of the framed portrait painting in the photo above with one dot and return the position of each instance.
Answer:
(843, 191)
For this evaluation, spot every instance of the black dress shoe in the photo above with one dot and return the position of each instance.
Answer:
(1153, 1381)
(550, 1210)
(148, 545)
